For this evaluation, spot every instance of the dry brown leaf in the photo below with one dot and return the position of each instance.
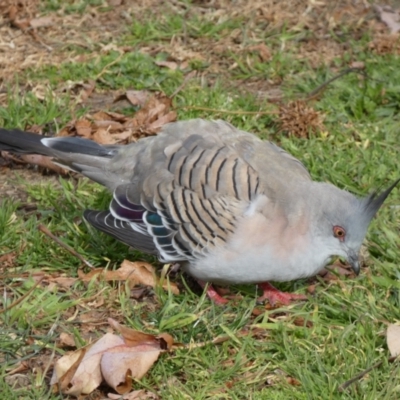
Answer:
(86, 92)
(41, 22)
(103, 136)
(153, 115)
(43, 161)
(167, 64)
(100, 116)
(164, 119)
(122, 136)
(109, 125)
(389, 16)
(122, 364)
(65, 369)
(135, 97)
(393, 339)
(7, 260)
(132, 337)
(263, 51)
(115, 359)
(83, 128)
(87, 376)
(66, 340)
(63, 281)
(136, 273)
(173, 65)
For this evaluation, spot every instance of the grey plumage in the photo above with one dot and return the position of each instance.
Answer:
(230, 207)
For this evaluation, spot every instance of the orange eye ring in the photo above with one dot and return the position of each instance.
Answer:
(339, 233)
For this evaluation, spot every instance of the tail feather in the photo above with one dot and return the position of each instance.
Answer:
(77, 154)
(18, 141)
(77, 145)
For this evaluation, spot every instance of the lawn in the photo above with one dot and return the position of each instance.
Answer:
(265, 67)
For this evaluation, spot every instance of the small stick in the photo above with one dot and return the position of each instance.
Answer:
(16, 302)
(357, 377)
(314, 93)
(43, 229)
(104, 70)
(182, 85)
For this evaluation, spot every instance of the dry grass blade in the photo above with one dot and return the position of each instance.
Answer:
(359, 376)
(43, 229)
(22, 298)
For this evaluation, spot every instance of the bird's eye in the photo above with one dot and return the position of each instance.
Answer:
(339, 233)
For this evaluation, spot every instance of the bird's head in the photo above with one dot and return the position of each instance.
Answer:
(343, 220)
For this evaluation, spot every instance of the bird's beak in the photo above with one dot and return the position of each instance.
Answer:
(354, 262)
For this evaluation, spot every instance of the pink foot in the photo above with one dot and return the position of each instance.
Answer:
(273, 295)
(213, 294)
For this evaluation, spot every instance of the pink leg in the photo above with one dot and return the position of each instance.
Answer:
(213, 294)
(273, 295)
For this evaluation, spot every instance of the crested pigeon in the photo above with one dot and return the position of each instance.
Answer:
(227, 206)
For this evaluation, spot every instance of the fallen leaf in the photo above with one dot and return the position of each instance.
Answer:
(257, 311)
(263, 51)
(43, 161)
(168, 64)
(63, 281)
(103, 136)
(41, 22)
(300, 321)
(66, 340)
(293, 381)
(135, 97)
(358, 64)
(83, 128)
(7, 260)
(87, 90)
(135, 273)
(122, 364)
(311, 289)
(393, 339)
(153, 115)
(65, 369)
(389, 16)
(115, 359)
(132, 337)
(87, 376)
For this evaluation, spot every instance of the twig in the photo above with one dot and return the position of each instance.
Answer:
(357, 377)
(104, 70)
(314, 93)
(229, 111)
(16, 302)
(43, 229)
(183, 84)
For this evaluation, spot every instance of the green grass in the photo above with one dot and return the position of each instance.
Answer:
(344, 322)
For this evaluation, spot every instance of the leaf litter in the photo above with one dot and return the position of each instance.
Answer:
(115, 359)
(133, 273)
(107, 127)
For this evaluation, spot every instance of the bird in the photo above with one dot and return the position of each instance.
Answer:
(229, 207)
